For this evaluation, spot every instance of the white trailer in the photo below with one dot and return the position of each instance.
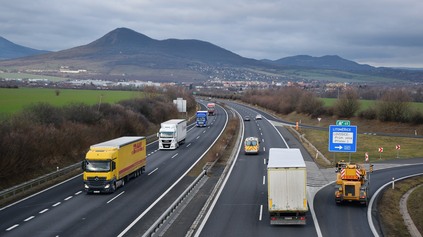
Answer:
(172, 133)
(287, 183)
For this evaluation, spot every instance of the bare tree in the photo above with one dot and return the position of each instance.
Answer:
(310, 104)
(394, 105)
(348, 104)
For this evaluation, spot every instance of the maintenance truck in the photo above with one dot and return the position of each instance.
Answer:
(352, 183)
(286, 182)
(108, 165)
(251, 145)
(201, 120)
(211, 108)
(172, 133)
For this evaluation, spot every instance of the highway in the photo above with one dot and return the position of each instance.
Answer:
(65, 210)
(241, 208)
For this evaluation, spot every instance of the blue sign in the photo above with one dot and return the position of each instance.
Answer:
(342, 138)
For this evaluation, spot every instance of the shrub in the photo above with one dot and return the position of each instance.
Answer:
(416, 117)
(369, 113)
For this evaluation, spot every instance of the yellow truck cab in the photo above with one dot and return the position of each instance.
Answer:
(110, 164)
(251, 145)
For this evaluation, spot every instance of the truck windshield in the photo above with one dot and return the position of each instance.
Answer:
(166, 134)
(201, 119)
(251, 143)
(97, 166)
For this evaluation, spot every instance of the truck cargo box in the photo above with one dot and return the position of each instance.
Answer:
(287, 183)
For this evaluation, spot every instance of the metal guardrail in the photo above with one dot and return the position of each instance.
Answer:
(163, 218)
(35, 182)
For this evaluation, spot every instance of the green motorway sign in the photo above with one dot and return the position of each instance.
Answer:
(343, 122)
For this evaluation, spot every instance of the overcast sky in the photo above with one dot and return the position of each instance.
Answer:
(376, 32)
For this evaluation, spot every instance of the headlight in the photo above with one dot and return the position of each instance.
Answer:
(107, 186)
(86, 186)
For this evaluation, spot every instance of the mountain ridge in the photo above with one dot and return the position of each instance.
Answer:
(10, 50)
(125, 52)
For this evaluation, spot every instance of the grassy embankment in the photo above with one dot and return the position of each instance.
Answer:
(410, 146)
(392, 221)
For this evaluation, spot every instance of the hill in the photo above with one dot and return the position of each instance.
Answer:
(134, 55)
(124, 54)
(9, 50)
(324, 62)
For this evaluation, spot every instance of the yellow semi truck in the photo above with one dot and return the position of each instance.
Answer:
(108, 165)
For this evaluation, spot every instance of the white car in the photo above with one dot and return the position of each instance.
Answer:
(258, 117)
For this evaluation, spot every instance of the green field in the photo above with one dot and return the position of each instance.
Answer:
(364, 104)
(14, 100)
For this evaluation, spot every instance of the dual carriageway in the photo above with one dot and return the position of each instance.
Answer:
(238, 209)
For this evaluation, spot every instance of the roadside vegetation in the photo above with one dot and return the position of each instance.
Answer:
(414, 208)
(42, 137)
(389, 213)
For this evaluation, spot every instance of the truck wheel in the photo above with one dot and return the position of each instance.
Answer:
(113, 187)
(142, 169)
(366, 202)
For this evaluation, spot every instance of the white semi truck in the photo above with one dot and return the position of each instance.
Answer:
(172, 133)
(287, 182)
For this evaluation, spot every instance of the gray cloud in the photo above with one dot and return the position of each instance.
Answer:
(378, 32)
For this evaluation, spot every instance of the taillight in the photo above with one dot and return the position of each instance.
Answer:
(302, 218)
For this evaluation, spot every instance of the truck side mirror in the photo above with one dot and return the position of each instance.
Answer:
(113, 165)
(157, 134)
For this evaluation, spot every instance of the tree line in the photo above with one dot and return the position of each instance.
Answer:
(394, 105)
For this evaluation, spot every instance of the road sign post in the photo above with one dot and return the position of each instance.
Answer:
(380, 152)
(398, 148)
(342, 138)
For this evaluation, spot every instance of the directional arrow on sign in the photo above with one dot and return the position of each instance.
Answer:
(339, 147)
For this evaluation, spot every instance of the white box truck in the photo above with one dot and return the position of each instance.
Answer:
(172, 133)
(287, 183)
